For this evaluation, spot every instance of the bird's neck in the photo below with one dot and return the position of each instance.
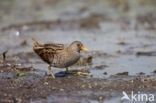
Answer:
(74, 50)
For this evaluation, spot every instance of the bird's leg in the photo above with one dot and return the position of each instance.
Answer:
(50, 72)
(67, 71)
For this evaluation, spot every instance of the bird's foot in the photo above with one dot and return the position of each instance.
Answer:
(51, 76)
(68, 72)
(79, 73)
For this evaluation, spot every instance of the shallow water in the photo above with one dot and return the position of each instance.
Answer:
(118, 58)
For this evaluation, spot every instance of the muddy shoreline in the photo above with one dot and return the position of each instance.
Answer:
(34, 87)
(72, 87)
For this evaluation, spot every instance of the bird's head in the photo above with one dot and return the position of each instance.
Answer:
(78, 46)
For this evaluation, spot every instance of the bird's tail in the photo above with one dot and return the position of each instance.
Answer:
(35, 42)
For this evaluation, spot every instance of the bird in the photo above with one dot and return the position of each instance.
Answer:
(58, 55)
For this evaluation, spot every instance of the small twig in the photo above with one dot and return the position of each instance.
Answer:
(4, 55)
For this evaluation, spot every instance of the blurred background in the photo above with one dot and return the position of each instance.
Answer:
(132, 12)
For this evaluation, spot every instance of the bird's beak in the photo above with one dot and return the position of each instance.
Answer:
(83, 48)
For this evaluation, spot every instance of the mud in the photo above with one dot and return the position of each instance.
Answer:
(72, 89)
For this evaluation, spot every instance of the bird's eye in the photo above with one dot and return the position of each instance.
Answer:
(79, 45)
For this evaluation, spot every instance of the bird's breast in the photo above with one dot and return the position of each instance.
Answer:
(65, 59)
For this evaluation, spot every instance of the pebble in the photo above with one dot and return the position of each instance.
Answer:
(61, 89)
(46, 83)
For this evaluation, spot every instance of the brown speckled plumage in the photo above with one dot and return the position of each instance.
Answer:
(57, 55)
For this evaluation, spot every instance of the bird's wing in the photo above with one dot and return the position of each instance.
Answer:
(51, 48)
(46, 51)
(54, 46)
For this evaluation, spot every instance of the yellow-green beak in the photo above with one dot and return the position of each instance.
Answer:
(83, 48)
